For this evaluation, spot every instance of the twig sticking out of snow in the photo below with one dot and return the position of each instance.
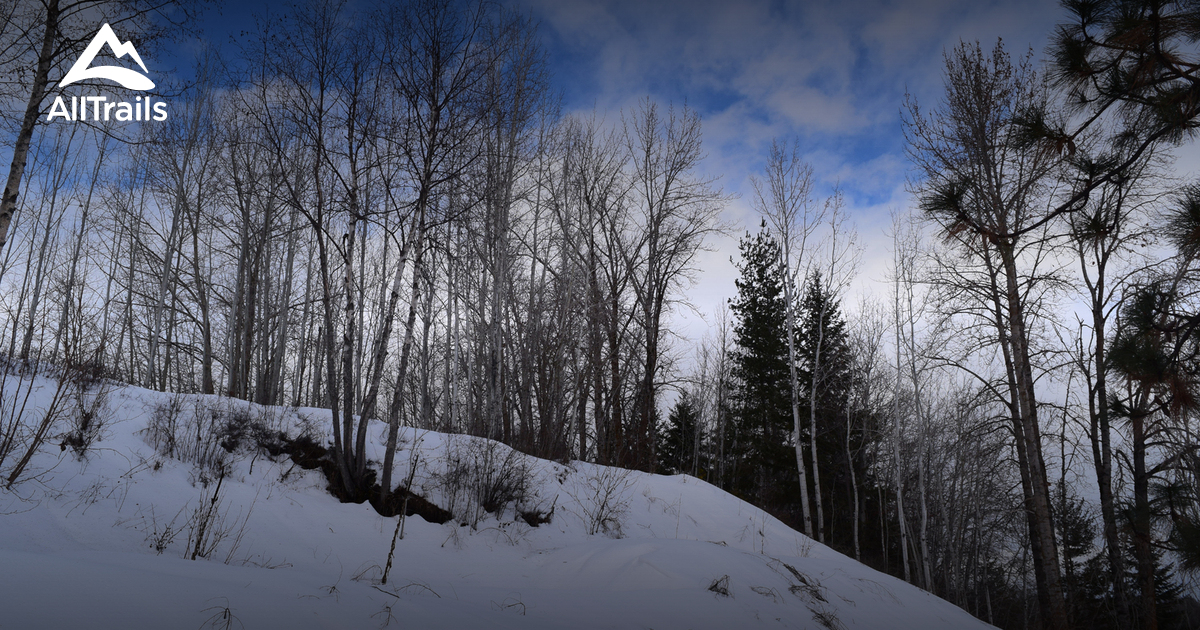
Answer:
(720, 586)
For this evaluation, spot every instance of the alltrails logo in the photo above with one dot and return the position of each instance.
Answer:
(100, 109)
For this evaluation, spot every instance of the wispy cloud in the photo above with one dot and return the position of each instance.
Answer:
(832, 74)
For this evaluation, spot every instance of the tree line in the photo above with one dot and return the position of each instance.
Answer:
(381, 212)
(1012, 429)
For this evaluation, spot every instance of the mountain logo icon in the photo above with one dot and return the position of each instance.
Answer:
(82, 69)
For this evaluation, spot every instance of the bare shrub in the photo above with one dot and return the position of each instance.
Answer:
(162, 431)
(484, 477)
(204, 435)
(210, 524)
(80, 402)
(307, 427)
(160, 536)
(237, 429)
(244, 428)
(15, 392)
(603, 497)
(222, 618)
(202, 444)
(88, 407)
(205, 527)
(29, 433)
(210, 435)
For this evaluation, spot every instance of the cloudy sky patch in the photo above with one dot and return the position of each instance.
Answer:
(831, 75)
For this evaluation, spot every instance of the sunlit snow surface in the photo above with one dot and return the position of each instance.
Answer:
(77, 549)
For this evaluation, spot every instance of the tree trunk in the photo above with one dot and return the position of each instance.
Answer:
(402, 373)
(898, 478)
(8, 203)
(379, 348)
(1044, 546)
(794, 380)
(1143, 550)
(853, 486)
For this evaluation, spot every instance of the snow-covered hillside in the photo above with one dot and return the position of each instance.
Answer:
(105, 540)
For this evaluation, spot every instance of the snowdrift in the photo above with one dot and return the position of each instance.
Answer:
(153, 527)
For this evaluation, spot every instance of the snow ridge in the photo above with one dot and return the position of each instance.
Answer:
(106, 540)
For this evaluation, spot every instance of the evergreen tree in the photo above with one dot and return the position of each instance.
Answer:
(761, 394)
(823, 328)
(679, 443)
(1084, 576)
(821, 323)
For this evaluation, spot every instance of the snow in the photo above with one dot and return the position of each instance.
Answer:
(78, 538)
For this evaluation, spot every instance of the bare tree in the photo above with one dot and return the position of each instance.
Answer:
(785, 198)
(439, 56)
(866, 342)
(589, 197)
(185, 155)
(835, 274)
(1104, 235)
(54, 199)
(983, 184)
(677, 210)
(912, 363)
(312, 78)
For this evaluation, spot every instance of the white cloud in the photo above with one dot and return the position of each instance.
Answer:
(832, 74)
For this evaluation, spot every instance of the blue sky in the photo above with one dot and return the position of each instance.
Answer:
(831, 74)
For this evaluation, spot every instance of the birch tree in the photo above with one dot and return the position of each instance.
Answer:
(439, 56)
(834, 275)
(785, 198)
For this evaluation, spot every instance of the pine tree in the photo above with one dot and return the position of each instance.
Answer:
(821, 318)
(1085, 585)
(679, 442)
(824, 354)
(761, 394)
